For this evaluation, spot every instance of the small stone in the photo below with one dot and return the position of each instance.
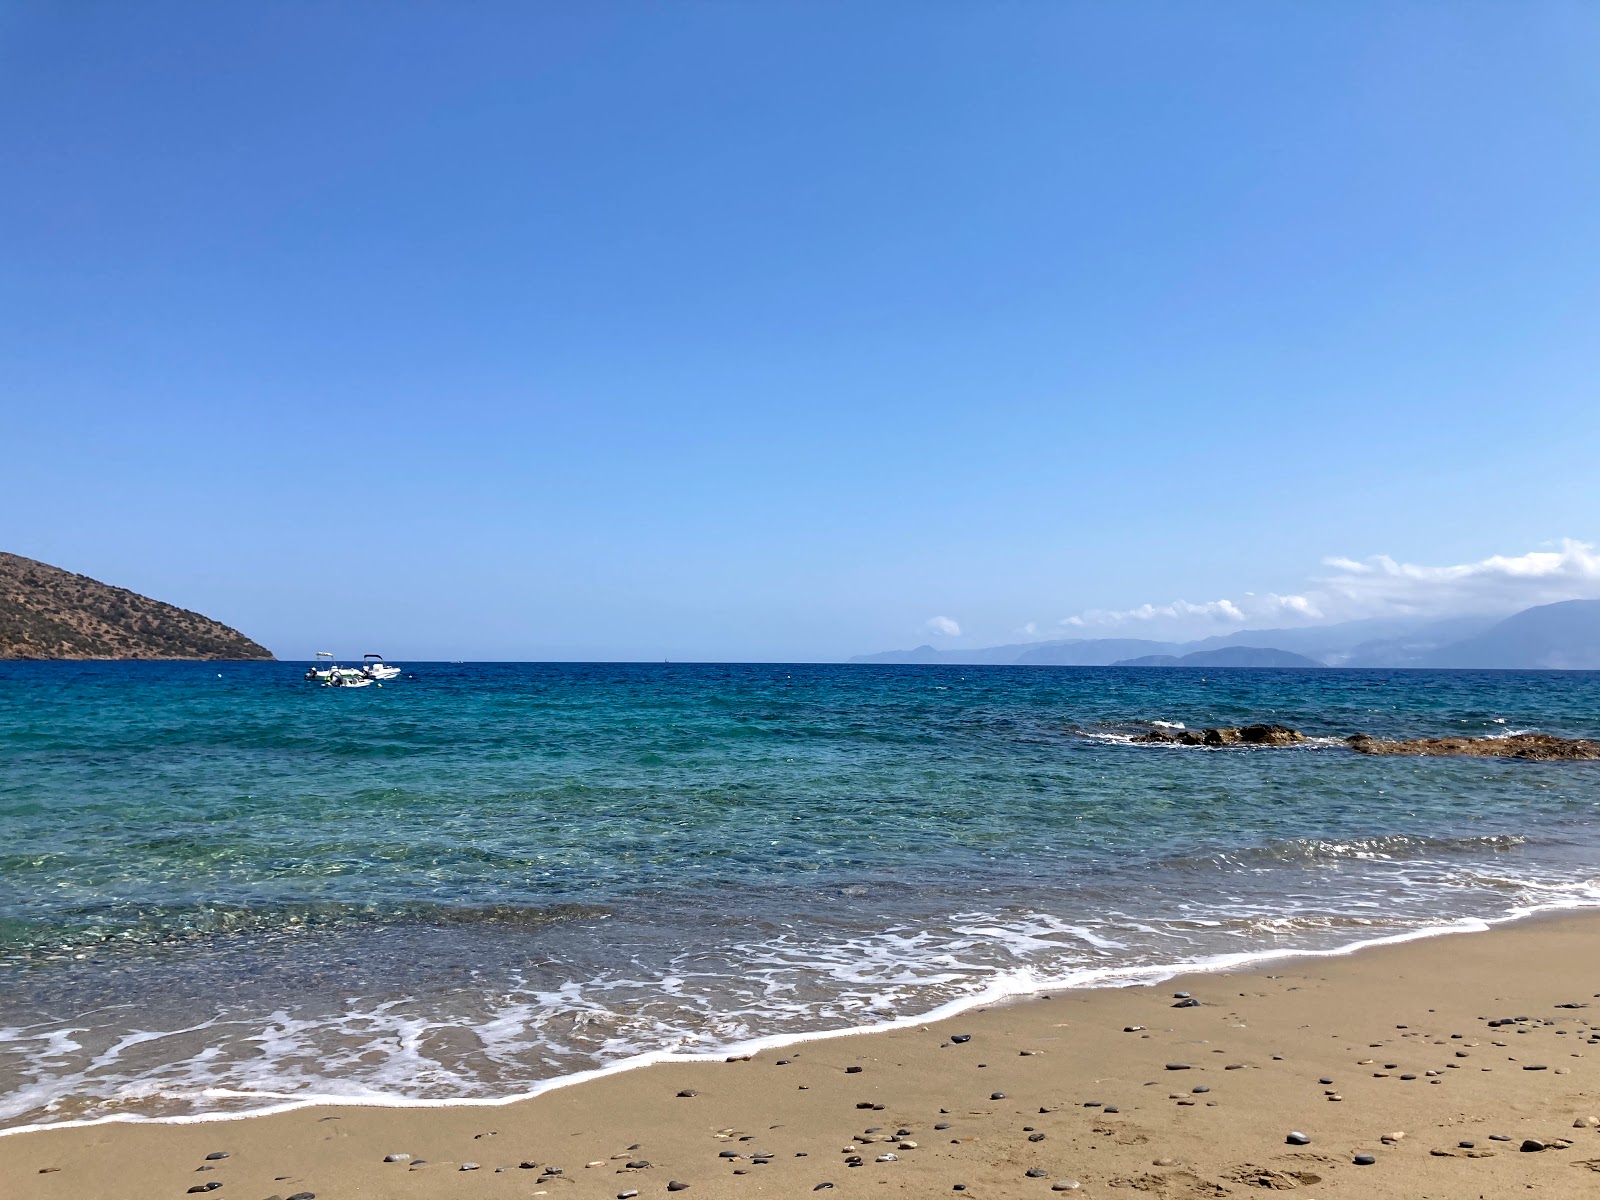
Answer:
(304, 1196)
(1532, 1145)
(1036, 1173)
(1391, 1138)
(529, 1165)
(960, 1039)
(1364, 1160)
(1465, 1145)
(469, 1166)
(638, 1164)
(1133, 1029)
(1180, 995)
(729, 1154)
(1065, 1185)
(942, 1125)
(676, 1186)
(1191, 1002)
(214, 1185)
(1036, 1137)
(216, 1155)
(1112, 1108)
(688, 1092)
(1324, 1080)
(1296, 1138)
(822, 1187)
(1199, 1090)
(1587, 1123)
(628, 1195)
(887, 1158)
(907, 1145)
(396, 1157)
(1163, 1162)
(1534, 1067)
(850, 1071)
(997, 1095)
(1179, 1067)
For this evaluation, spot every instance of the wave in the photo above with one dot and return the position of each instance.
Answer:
(1385, 848)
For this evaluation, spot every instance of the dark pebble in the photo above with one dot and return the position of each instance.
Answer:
(1533, 1067)
(1178, 1067)
(1466, 1145)
(1408, 1077)
(728, 1154)
(1324, 1080)
(676, 1186)
(528, 1166)
(1180, 995)
(214, 1185)
(864, 1104)
(1298, 1139)
(1036, 1173)
(1529, 1146)
(688, 1092)
(942, 1125)
(1133, 1029)
(1499, 1137)
(216, 1155)
(958, 1187)
(997, 1095)
(782, 1062)
(850, 1071)
(1200, 1089)
(1036, 1137)
(304, 1196)
(1112, 1108)
(822, 1187)
(638, 1164)
(1364, 1160)
(960, 1038)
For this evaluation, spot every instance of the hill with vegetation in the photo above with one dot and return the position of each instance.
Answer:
(47, 613)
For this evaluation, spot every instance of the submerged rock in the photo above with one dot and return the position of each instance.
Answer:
(1532, 746)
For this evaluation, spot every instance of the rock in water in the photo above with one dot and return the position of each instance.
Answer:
(1538, 747)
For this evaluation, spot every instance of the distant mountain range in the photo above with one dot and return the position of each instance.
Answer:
(46, 613)
(1564, 636)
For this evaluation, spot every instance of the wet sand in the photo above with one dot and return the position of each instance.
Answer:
(1388, 1052)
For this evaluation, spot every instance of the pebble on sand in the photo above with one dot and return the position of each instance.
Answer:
(688, 1092)
(1065, 1185)
(396, 1157)
(469, 1166)
(215, 1155)
(676, 1186)
(1364, 1160)
(997, 1095)
(1296, 1138)
(960, 1038)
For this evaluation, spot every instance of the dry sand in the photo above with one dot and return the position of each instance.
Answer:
(1053, 1085)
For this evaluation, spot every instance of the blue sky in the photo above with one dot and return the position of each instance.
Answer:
(772, 331)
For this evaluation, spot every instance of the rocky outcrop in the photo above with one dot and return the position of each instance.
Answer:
(47, 613)
(1535, 746)
(1231, 735)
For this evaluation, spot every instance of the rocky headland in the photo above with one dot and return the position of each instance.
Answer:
(48, 613)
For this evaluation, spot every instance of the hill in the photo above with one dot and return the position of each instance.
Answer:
(1226, 656)
(1564, 636)
(47, 613)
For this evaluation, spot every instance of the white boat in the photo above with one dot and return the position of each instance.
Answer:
(318, 673)
(373, 667)
(348, 680)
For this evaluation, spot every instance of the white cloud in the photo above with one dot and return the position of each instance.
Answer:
(1380, 586)
(943, 626)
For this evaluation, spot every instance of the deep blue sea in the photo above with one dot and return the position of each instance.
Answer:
(223, 887)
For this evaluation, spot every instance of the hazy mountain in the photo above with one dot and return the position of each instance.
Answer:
(46, 612)
(1564, 636)
(1225, 656)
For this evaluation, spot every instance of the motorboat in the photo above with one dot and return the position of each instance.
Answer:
(319, 672)
(347, 680)
(373, 667)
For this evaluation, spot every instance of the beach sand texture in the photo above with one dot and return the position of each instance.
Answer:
(1388, 1052)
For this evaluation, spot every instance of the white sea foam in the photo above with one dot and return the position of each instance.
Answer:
(876, 983)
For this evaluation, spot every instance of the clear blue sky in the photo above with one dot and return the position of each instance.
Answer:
(770, 330)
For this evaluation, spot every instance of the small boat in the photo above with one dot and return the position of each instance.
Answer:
(346, 680)
(373, 667)
(326, 674)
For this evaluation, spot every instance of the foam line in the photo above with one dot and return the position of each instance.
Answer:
(996, 993)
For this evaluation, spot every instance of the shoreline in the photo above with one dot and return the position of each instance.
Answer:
(1539, 957)
(1087, 979)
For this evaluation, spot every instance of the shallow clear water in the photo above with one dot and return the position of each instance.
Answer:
(220, 884)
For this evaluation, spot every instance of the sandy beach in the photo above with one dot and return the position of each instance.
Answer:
(1448, 1061)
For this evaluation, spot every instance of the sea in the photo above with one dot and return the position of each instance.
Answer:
(224, 889)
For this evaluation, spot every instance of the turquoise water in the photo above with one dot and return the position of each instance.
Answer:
(220, 884)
